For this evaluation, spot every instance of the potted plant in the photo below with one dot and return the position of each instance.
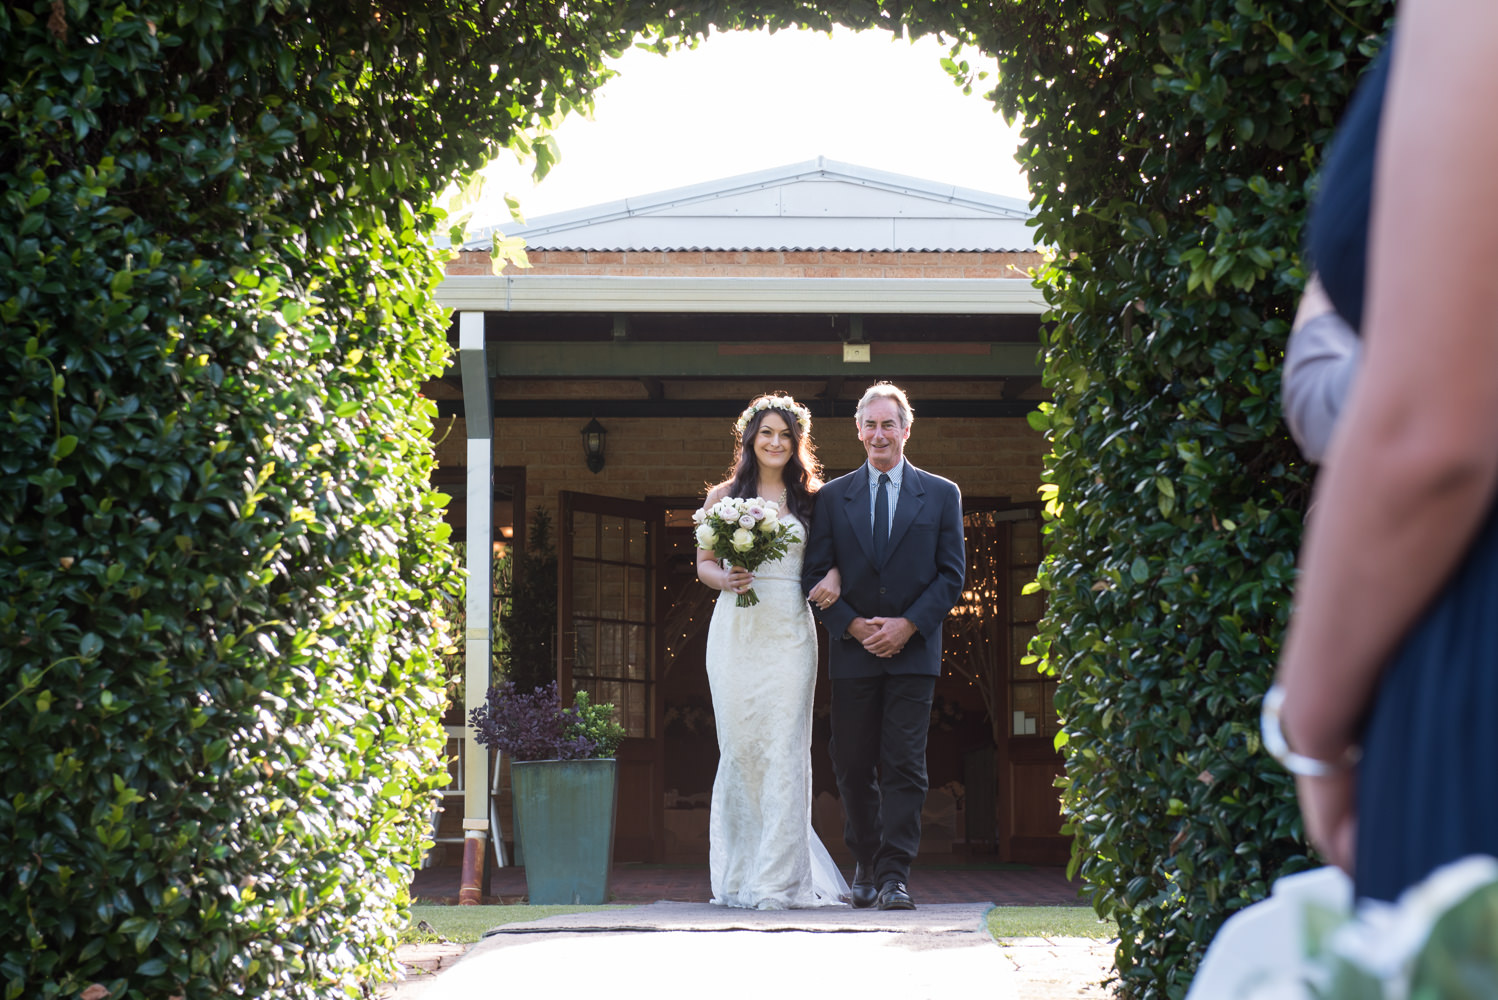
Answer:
(563, 779)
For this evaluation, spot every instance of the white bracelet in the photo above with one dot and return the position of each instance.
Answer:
(1274, 743)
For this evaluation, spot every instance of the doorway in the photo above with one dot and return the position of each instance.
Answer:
(607, 611)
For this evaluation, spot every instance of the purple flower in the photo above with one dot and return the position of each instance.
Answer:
(529, 726)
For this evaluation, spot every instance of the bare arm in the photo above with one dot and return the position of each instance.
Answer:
(828, 589)
(1412, 472)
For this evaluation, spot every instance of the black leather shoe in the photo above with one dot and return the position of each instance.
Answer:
(894, 896)
(864, 891)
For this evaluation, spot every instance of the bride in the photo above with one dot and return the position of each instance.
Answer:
(762, 665)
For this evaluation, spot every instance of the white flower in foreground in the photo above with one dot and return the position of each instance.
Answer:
(706, 536)
(1385, 938)
(700, 515)
(742, 540)
(769, 524)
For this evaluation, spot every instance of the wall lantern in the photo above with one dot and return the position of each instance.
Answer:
(593, 435)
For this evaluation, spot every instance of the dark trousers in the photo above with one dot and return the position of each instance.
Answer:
(878, 749)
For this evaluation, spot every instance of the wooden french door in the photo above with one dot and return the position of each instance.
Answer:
(1028, 763)
(607, 608)
(1012, 801)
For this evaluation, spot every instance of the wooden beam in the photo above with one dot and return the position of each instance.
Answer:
(1014, 388)
(657, 359)
(582, 409)
(834, 388)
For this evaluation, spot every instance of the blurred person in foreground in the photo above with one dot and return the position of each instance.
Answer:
(1388, 677)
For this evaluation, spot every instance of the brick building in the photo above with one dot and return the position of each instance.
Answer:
(655, 320)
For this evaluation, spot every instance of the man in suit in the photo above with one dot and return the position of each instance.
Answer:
(895, 534)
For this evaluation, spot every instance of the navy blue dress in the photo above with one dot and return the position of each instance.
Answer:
(1428, 783)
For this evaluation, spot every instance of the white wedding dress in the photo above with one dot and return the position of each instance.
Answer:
(762, 664)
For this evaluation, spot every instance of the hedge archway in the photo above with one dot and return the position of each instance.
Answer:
(219, 551)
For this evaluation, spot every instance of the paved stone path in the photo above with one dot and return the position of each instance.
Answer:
(682, 950)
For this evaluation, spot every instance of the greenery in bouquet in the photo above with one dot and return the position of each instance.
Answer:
(744, 531)
(533, 725)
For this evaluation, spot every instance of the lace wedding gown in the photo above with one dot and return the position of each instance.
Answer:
(762, 663)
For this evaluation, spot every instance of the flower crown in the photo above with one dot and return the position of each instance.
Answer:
(786, 403)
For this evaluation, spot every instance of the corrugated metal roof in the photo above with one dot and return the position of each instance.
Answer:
(817, 205)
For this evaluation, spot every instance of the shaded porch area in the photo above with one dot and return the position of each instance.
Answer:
(939, 879)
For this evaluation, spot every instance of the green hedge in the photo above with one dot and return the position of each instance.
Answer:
(219, 698)
(1171, 147)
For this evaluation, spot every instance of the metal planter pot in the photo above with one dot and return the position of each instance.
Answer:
(564, 814)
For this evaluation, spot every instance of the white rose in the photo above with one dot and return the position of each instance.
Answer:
(742, 540)
(769, 524)
(706, 536)
(698, 516)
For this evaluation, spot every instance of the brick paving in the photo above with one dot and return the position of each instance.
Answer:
(937, 881)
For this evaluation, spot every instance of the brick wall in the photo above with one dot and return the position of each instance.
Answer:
(679, 457)
(760, 264)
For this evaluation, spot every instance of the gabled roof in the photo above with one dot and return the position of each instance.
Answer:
(817, 205)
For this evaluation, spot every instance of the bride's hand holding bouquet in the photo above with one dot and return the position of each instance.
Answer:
(744, 532)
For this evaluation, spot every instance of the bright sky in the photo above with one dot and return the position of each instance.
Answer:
(742, 102)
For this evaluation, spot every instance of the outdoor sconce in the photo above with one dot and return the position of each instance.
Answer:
(593, 435)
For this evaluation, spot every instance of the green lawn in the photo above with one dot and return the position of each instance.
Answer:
(468, 923)
(1008, 922)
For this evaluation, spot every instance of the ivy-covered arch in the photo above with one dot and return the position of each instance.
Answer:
(217, 549)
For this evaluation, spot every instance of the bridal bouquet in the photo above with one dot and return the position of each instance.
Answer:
(746, 532)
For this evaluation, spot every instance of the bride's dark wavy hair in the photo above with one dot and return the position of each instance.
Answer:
(803, 471)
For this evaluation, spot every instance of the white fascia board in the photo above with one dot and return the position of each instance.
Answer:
(584, 294)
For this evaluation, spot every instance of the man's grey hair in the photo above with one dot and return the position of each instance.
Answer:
(885, 390)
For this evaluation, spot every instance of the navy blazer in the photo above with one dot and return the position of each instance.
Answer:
(920, 578)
